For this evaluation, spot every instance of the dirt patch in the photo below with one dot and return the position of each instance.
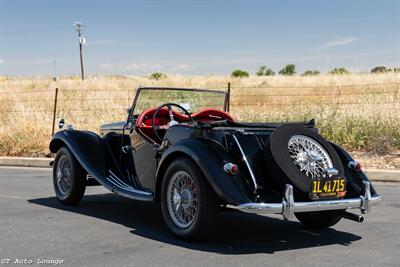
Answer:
(378, 161)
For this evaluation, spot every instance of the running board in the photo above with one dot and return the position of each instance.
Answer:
(120, 187)
(116, 185)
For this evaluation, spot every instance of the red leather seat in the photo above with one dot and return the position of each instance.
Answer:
(144, 121)
(211, 114)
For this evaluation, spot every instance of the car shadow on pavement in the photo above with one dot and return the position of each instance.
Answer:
(236, 233)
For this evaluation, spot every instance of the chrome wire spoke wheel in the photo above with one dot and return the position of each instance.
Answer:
(64, 172)
(307, 154)
(182, 199)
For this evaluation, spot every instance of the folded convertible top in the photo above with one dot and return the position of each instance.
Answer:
(228, 123)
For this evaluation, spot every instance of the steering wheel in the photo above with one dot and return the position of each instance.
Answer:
(172, 120)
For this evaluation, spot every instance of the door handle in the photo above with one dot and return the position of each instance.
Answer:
(127, 148)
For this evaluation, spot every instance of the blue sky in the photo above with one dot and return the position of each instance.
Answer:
(197, 37)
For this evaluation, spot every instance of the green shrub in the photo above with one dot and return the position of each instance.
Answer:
(310, 73)
(158, 76)
(288, 70)
(339, 71)
(379, 69)
(261, 71)
(396, 70)
(383, 69)
(240, 74)
(269, 72)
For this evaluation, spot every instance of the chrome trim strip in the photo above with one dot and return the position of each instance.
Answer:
(119, 179)
(247, 162)
(128, 189)
(288, 207)
(115, 180)
(116, 184)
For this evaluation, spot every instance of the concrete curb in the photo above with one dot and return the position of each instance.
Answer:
(373, 174)
(383, 175)
(25, 162)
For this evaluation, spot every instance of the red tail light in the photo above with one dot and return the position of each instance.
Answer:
(231, 168)
(355, 166)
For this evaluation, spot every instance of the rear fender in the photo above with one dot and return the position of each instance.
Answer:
(210, 157)
(355, 179)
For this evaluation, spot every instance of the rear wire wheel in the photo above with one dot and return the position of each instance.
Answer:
(189, 204)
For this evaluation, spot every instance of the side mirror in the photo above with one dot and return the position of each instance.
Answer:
(128, 125)
(61, 124)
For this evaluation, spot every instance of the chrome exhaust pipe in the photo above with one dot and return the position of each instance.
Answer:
(352, 216)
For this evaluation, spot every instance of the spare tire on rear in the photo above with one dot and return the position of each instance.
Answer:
(285, 165)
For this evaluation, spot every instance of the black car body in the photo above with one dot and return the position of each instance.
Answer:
(196, 162)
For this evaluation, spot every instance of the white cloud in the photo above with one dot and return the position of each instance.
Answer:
(1, 61)
(179, 67)
(105, 66)
(143, 66)
(103, 42)
(339, 42)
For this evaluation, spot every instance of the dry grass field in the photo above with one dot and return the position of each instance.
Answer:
(360, 112)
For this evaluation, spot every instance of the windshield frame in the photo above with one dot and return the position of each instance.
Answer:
(136, 98)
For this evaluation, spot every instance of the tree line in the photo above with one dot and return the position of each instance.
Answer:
(290, 70)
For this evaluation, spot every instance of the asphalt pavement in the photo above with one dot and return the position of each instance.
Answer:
(108, 230)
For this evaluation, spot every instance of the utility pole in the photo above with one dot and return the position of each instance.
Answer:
(79, 29)
(55, 78)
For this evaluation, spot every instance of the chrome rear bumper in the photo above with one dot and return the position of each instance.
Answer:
(288, 207)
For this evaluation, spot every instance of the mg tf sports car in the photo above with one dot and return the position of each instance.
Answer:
(181, 148)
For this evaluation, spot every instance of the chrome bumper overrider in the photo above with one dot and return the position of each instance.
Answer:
(288, 207)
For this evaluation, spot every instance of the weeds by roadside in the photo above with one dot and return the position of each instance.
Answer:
(360, 112)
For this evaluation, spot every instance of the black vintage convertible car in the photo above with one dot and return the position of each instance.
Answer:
(182, 148)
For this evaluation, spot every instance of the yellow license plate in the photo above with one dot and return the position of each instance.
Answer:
(327, 188)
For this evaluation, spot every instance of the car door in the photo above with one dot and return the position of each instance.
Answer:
(144, 160)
